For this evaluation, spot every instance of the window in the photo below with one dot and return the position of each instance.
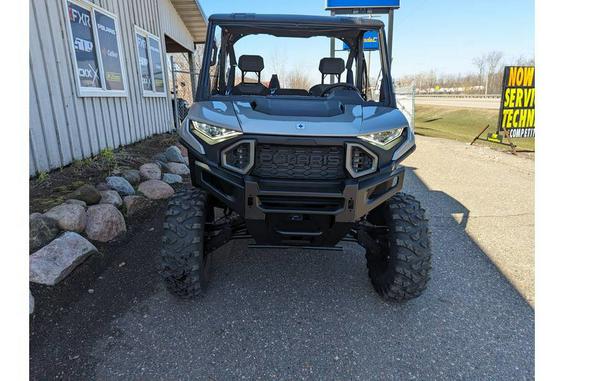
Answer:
(149, 56)
(99, 66)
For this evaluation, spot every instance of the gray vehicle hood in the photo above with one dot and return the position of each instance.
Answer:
(240, 116)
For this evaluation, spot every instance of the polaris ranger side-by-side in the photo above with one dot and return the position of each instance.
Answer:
(296, 167)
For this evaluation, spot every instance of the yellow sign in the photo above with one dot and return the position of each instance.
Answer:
(495, 137)
(517, 108)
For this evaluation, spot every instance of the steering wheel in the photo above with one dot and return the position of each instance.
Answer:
(331, 87)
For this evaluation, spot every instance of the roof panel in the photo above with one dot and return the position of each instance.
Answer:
(193, 17)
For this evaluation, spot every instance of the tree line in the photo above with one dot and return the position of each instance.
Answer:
(487, 79)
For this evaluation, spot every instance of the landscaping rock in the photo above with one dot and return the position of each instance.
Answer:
(156, 189)
(171, 178)
(69, 217)
(178, 168)
(86, 193)
(104, 223)
(43, 230)
(55, 261)
(160, 157)
(120, 184)
(73, 201)
(111, 197)
(102, 186)
(136, 204)
(183, 150)
(150, 171)
(132, 176)
(162, 165)
(32, 303)
(173, 154)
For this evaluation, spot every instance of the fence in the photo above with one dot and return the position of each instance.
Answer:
(406, 97)
(184, 79)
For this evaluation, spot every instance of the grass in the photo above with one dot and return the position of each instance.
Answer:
(461, 124)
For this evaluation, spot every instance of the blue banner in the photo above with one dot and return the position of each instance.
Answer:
(362, 4)
(370, 41)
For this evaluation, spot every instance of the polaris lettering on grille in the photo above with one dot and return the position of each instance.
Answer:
(311, 159)
(299, 162)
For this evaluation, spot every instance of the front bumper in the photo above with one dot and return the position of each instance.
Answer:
(254, 198)
(298, 211)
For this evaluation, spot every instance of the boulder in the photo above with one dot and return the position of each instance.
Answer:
(171, 178)
(43, 230)
(69, 217)
(132, 176)
(110, 197)
(86, 193)
(156, 189)
(32, 303)
(73, 201)
(183, 150)
(150, 171)
(178, 168)
(102, 186)
(162, 165)
(173, 154)
(160, 157)
(104, 223)
(55, 261)
(120, 184)
(136, 204)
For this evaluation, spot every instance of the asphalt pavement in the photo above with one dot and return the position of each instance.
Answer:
(294, 314)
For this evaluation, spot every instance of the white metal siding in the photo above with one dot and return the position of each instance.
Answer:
(65, 127)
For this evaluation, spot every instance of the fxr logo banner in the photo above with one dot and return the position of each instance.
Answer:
(83, 18)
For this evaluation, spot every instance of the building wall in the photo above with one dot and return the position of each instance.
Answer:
(65, 127)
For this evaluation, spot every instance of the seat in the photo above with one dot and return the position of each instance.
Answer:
(328, 66)
(250, 64)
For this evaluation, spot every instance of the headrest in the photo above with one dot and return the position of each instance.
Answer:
(251, 63)
(330, 65)
(274, 82)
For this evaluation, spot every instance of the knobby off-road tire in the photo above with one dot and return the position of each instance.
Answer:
(400, 270)
(184, 264)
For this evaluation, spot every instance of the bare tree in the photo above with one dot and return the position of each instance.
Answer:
(277, 63)
(480, 63)
(297, 79)
(523, 61)
(493, 59)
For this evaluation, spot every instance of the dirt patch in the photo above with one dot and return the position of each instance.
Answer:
(51, 189)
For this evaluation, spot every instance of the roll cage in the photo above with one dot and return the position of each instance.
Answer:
(234, 27)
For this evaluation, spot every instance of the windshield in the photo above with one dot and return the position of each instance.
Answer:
(288, 64)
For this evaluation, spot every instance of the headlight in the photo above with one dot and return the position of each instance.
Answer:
(212, 134)
(383, 138)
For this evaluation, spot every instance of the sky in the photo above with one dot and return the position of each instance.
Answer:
(439, 35)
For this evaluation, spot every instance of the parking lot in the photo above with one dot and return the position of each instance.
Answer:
(298, 314)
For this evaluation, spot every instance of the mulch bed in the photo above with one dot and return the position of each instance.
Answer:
(53, 188)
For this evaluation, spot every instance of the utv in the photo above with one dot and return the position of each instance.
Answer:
(296, 167)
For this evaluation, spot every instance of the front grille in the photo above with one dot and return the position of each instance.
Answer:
(299, 162)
